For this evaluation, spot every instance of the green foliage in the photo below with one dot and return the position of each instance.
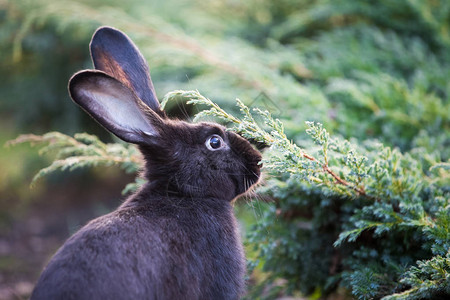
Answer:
(431, 278)
(83, 151)
(358, 129)
(36, 60)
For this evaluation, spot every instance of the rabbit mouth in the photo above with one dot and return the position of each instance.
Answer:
(252, 174)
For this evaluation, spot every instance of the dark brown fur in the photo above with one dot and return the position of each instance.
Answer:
(177, 237)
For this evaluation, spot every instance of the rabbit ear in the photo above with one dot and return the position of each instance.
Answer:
(114, 106)
(115, 54)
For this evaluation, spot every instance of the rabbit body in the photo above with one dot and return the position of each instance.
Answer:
(177, 237)
(151, 248)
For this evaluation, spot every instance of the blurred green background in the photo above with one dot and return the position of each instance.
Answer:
(364, 69)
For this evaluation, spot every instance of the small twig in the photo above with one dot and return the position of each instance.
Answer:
(326, 168)
(359, 190)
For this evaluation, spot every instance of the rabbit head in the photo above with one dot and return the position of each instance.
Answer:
(194, 160)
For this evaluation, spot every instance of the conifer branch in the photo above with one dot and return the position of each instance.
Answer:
(82, 150)
(273, 136)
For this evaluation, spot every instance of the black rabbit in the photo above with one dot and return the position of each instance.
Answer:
(177, 237)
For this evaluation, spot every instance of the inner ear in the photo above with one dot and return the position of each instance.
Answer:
(114, 53)
(114, 106)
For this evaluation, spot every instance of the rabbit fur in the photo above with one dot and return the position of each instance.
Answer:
(177, 237)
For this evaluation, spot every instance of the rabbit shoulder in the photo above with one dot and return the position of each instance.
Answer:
(146, 251)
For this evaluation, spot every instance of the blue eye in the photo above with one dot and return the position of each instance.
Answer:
(214, 142)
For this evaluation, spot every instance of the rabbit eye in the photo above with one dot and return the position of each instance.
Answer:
(214, 142)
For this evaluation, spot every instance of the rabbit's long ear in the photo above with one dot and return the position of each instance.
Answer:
(115, 54)
(114, 106)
